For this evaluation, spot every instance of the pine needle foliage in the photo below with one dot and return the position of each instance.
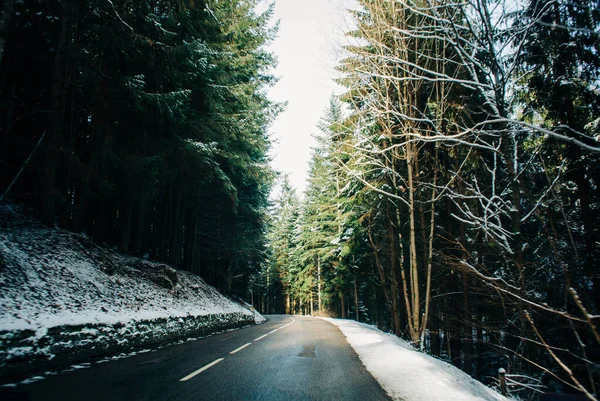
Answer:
(156, 117)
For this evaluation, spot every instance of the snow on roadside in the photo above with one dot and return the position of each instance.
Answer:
(258, 318)
(64, 299)
(407, 374)
(51, 277)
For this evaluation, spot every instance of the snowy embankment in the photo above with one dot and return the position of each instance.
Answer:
(64, 299)
(407, 374)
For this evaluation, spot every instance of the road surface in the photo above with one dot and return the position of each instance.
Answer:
(286, 358)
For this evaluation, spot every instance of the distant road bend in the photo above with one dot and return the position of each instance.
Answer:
(285, 358)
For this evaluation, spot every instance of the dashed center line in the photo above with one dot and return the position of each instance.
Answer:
(213, 363)
(261, 337)
(239, 349)
(202, 369)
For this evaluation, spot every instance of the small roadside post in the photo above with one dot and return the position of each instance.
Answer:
(502, 378)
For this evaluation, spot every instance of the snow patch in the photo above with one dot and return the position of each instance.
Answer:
(52, 278)
(60, 293)
(407, 374)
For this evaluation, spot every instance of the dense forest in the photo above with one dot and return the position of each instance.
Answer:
(454, 195)
(144, 125)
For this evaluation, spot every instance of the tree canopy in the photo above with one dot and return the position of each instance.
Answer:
(154, 116)
(453, 198)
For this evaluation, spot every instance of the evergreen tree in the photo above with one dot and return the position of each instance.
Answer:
(155, 119)
(465, 199)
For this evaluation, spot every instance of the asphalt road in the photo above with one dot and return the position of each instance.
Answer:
(286, 358)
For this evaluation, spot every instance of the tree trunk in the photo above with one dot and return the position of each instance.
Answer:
(267, 294)
(414, 271)
(455, 349)
(6, 13)
(429, 257)
(126, 215)
(355, 293)
(176, 229)
(318, 282)
(480, 348)
(382, 273)
(48, 185)
(434, 336)
(394, 278)
(467, 334)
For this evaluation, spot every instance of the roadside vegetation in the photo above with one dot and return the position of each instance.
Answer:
(144, 124)
(453, 197)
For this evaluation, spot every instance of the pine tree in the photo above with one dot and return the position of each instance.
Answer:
(155, 118)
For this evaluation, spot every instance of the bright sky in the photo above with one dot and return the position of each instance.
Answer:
(308, 47)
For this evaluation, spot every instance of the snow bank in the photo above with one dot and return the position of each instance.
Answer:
(407, 374)
(63, 298)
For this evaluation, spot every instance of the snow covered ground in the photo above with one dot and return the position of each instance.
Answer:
(60, 293)
(407, 374)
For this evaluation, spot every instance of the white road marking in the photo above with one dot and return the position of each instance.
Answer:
(239, 349)
(273, 331)
(202, 369)
(213, 363)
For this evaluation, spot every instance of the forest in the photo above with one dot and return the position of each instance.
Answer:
(142, 124)
(453, 197)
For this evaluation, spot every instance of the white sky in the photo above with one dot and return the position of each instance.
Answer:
(308, 47)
